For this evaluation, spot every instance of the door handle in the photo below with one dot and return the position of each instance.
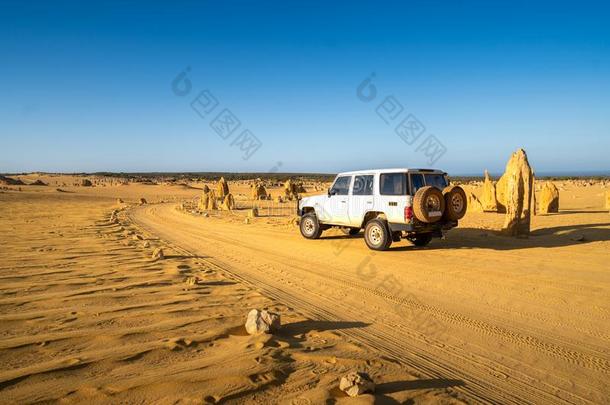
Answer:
(369, 202)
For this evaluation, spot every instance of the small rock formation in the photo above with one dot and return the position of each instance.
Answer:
(252, 213)
(501, 194)
(488, 198)
(119, 201)
(549, 199)
(203, 201)
(262, 322)
(292, 190)
(289, 190)
(258, 192)
(146, 244)
(222, 188)
(228, 203)
(86, 183)
(474, 204)
(519, 179)
(143, 201)
(208, 200)
(157, 254)
(356, 383)
(211, 202)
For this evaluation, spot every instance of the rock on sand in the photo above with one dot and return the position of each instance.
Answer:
(549, 199)
(258, 192)
(211, 202)
(356, 383)
(519, 179)
(488, 198)
(262, 322)
(228, 204)
(474, 204)
(222, 188)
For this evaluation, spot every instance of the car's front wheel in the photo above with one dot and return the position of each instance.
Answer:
(377, 235)
(310, 227)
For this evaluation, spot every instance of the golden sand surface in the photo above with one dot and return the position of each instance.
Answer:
(88, 316)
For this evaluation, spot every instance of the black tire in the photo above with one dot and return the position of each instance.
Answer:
(350, 231)
(455, 203)
(377, 235)
(428, 204)
(421, 239)
(310, 227)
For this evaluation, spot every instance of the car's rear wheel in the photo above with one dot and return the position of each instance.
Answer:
(310, 227)
(350, 231)
(377, 235)
(421, 239)
(428, 204)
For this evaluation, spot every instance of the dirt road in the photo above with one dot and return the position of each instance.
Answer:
(486, 314)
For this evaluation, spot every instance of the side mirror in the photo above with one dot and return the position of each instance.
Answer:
(330, 192)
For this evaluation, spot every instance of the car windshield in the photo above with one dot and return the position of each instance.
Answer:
(436, 180)
(341, 185)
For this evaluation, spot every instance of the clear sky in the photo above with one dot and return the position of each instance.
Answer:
(89, 87)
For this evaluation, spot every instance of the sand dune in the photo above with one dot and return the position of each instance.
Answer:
(88, 316)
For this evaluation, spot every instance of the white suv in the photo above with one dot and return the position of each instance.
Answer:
(390, 204)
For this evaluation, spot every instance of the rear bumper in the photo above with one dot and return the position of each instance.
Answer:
(421, 227)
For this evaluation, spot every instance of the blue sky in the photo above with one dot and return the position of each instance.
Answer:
(89, 88)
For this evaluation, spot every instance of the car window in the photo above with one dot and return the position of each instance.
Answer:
(417, 182)
(363, 185)
(436, 180)
(341, 186)
(393, 184)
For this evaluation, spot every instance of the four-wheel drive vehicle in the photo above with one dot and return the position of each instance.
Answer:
(389, 204)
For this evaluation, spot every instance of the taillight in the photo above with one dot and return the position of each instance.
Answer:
(408, 214)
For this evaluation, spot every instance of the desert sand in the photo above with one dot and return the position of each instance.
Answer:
(88, 315)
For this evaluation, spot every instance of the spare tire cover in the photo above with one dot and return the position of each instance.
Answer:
(428, 204)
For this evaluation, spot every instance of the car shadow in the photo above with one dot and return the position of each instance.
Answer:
(553, 237)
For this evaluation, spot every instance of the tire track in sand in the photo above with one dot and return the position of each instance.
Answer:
(488, 385)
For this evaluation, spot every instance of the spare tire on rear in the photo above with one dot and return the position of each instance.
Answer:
(455, 203)
(428, 204)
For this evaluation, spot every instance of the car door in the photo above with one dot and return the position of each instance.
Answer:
(336, 206)
(361, 198)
